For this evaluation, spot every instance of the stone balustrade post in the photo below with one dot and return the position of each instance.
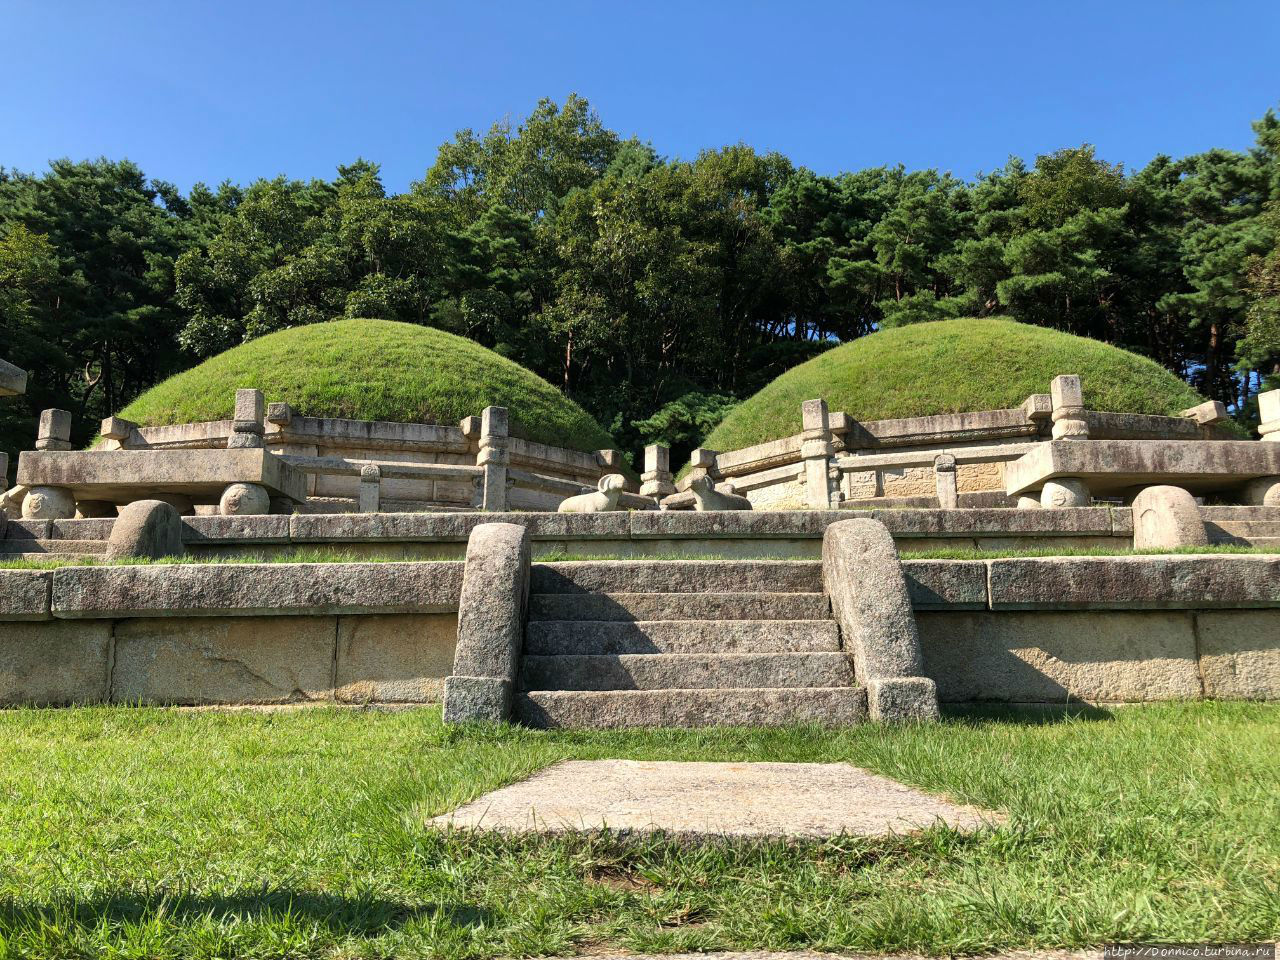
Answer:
(248, 424)
(1269, 414)
(944, 476)
(1068, 408)
(494, 457)
(370, 488)
(817, 451)
(54, 431)
(656, 481)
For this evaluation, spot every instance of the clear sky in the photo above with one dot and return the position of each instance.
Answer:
(226, 89)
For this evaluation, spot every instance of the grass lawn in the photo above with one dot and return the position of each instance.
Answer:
(373, 370)
(151, 833)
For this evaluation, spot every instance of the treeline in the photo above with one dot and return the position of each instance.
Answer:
(655, 292)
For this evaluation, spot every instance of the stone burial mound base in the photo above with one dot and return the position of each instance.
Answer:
(710, 800)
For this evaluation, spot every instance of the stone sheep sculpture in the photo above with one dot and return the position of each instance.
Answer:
(603, 500)
(707, 497)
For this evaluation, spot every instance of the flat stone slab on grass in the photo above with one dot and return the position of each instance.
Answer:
(711, 800)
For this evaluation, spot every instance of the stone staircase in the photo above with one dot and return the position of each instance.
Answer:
(1246, 526)
(683, 643)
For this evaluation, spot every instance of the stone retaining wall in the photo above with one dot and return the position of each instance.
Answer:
(1025, 630)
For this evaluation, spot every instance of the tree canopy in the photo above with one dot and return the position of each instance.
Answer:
(655, 292)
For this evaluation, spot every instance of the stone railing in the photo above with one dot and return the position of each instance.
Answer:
(345, 465)
(957, 459)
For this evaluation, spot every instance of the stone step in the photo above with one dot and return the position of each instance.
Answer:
(679, 606)
(30, 547)
(753, 707)
(615, 637)
(1233, 513)
(661, 671)
(1242, 529)
(678, 576)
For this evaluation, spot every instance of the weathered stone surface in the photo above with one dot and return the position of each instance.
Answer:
(944, 471)
(953, 584)
(623, 607)
(309, 528)
(245, 529)
(1056, 657)
(1261, 492)
(706, 496)
(495, 595)
(477, 699)
(1180, 582)
(146, 528)
(1064, 492)
(662, 671)
(48, 503)
(244, 500)
(1211, 411)
(124, 475)
(223, 660)
(863, 577)
(244, 589)
(54, 664)
(1165, 518)
(1240, 654)
(54, 430)
(396, 658)
(902, 699)
(615, 709)
(1114, 466)
(678, 576)
(733, 523)
(711, 800)
(603, 500)
(24, 595)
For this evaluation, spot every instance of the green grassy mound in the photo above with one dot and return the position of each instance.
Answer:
(373, 370)
(951, 366)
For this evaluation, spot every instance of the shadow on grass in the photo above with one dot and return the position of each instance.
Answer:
(1024, 714)
(365, 916)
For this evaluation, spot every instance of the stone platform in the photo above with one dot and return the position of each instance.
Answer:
(1117, 467)
(122, 476)
(709, 800)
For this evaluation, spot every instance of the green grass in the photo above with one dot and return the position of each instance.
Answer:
(129, 832)
(951, 366)
(373, 370)
(966, 553)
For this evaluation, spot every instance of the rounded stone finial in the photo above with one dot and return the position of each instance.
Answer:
(370, 473)
(244, 499)
(1065, 492)
(49, 503)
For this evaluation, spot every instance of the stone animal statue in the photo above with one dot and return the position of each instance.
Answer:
(603, 500)
(707, 497)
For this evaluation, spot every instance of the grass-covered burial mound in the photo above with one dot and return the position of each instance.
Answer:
(951, 366)
(373, 370)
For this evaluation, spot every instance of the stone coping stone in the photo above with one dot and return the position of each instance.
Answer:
(357, 527)
(25, 594)
(712, 800)
(946, 584)
(726, 524)
(1182, 582)
(1115, 466)
(248, 529)
(254, 589)
(122, 476)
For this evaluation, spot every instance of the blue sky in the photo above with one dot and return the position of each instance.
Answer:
(236, 90)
